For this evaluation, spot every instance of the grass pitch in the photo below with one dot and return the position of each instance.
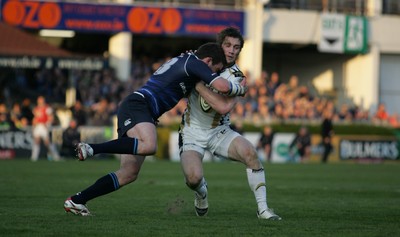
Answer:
(313, 200)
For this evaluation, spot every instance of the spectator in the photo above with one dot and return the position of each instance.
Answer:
(237, 127)
(320, 105)
(344, 113)
(381, 114)
(251, 98)
(262, 115)
(262, 80)
(78, 113)
(279, 112)
(249, 111)
(58, 88)
(326, 134)
(273, 83)
(16, 116)
(70, 137)
(394, 120)
(302, 144)
(325, 5)
(239, 112)
(361, 115)
(5, 122)
(311, 114)
(101, 115)
(26, 110)
(42, 121)
(265, 142)
(262, 89)
(293, 85)
(303, 92)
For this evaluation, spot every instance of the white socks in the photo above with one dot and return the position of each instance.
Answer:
(35, 152)
(257, 184)
(201, 190)
(52, 149)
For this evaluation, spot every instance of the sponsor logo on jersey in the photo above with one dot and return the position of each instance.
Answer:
(222, 132)
(127, 122)
(183, 87)
(204, 105)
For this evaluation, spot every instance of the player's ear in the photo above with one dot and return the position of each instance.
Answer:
(207, 60)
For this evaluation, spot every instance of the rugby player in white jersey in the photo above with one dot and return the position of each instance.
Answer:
(205, 126)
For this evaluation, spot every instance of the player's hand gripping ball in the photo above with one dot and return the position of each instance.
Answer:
(233, 75)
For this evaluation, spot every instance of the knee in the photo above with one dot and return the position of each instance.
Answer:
(251, 158)
(153, 149)
(193, 180)
(150, 149)
(250, 154)
(126, 179)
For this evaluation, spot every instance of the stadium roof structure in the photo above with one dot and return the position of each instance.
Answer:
(15, 42)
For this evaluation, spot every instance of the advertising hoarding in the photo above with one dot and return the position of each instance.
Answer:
(119, 18)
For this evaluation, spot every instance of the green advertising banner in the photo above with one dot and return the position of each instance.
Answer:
(343, 34)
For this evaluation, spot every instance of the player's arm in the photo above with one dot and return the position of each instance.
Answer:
(220, 103)
(200, 69)
(228, 88)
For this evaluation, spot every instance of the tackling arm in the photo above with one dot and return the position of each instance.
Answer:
(220, 103)
(228, 88)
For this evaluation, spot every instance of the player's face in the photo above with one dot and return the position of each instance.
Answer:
(41, 101)
(231, 47)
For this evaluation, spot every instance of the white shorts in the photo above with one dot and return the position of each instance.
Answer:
(40, 131)
(216, 140)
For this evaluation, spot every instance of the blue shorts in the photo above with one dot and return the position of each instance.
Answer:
(134, 109)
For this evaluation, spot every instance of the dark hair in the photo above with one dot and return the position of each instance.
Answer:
(230, 32)
(212, 50)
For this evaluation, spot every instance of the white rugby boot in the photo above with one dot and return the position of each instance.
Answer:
(268, 214)
(200, 205)
(77, 209)
(83, 151)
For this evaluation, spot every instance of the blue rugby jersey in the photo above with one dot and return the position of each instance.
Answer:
(174, 80)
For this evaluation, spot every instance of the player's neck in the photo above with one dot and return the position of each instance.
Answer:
(230, 64)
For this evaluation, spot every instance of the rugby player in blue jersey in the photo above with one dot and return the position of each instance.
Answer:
(139, 112)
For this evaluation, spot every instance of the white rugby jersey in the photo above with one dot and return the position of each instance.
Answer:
(199, 113)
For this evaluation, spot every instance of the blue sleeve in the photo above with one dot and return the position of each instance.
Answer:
(198, 69)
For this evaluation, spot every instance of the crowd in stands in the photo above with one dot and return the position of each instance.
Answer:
(98, 93)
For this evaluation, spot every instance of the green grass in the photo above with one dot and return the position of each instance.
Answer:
(313, 199)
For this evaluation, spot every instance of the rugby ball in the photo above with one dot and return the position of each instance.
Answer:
(233, 74)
